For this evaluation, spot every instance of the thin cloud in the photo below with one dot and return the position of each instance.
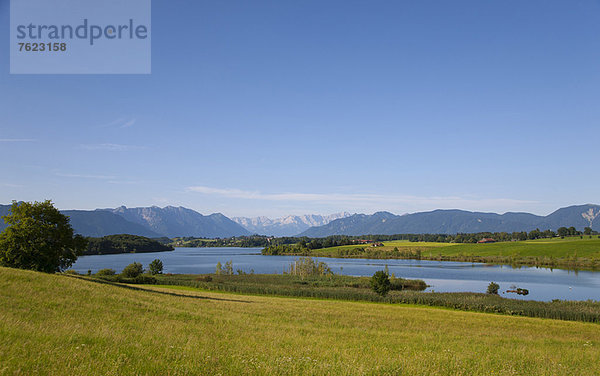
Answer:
(17, 140)
(369, 199)
(10, 185)
(110, 147)
(128, 124)
(86, 176)
(123, 122)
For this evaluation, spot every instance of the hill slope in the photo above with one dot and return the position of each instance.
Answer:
(57, 325)
(456, 221)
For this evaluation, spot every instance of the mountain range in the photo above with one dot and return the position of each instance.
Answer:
(286, 226)
(151, 221)
(456, 221)
(173, 221)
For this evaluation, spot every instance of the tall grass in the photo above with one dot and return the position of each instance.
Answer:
(357, 289)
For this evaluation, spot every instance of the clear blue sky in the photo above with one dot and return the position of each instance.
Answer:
(293, 107)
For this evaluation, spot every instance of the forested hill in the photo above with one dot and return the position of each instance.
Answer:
(457, 221)
(124, 243)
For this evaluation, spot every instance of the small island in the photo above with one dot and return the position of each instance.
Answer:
(124, 243)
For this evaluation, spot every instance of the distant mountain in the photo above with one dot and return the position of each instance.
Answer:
(98, 223)
(95, 223)
(152, 222)
(179, 221)
(457, 221)
(286, 226)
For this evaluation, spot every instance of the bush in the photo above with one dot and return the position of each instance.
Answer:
(103, 272)
(380, 283)
(71, 271)
(156, 267)
(493, 288)
(133, 270)
(145, 279)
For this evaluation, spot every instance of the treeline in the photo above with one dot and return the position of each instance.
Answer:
(235, 241)
(306, 243)
(124, 243)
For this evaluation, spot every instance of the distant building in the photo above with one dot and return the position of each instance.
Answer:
(486, 240)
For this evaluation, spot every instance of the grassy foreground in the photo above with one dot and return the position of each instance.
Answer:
(571, 252)
(55, 324)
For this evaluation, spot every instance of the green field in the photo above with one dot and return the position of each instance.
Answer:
(56, 324)
(573, 252)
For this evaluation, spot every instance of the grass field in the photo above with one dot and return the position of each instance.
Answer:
(571, 252)
(55, 324)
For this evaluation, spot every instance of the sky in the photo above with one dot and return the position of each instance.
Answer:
(293, 107)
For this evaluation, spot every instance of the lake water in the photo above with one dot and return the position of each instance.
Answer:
(543, 284)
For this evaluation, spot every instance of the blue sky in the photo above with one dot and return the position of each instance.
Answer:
(294, 107)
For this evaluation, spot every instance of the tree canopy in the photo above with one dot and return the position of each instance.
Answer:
(39, 237)
(124, 243)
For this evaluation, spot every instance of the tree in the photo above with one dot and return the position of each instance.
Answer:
(587, 231)
(133, 270)
(39, 237)
(380, 283)
(155, 267)
(493, 288)
(562, 232)
(228, 268)
(219, 268)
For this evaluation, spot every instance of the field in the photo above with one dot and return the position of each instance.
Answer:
(572, 252)
(56, 324)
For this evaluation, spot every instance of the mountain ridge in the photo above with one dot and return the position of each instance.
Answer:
(286, 226)
(172, 221)
(444, 221)
(179, 221)
(150, 221)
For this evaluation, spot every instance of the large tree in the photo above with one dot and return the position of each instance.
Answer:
(39, 237)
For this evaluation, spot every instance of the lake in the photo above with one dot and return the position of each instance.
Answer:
(442, 276)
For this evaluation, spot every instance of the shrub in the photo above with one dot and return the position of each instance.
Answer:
(145, 279)
(493, 288)
(156, 267)
(380, 283)
(103, 272)
(71, 271)
(306, 266)
(133, 270)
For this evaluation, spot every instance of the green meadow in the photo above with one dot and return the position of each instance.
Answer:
(57, 324)
(571, 252)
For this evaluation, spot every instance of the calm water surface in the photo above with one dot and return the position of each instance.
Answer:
(543, 284)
